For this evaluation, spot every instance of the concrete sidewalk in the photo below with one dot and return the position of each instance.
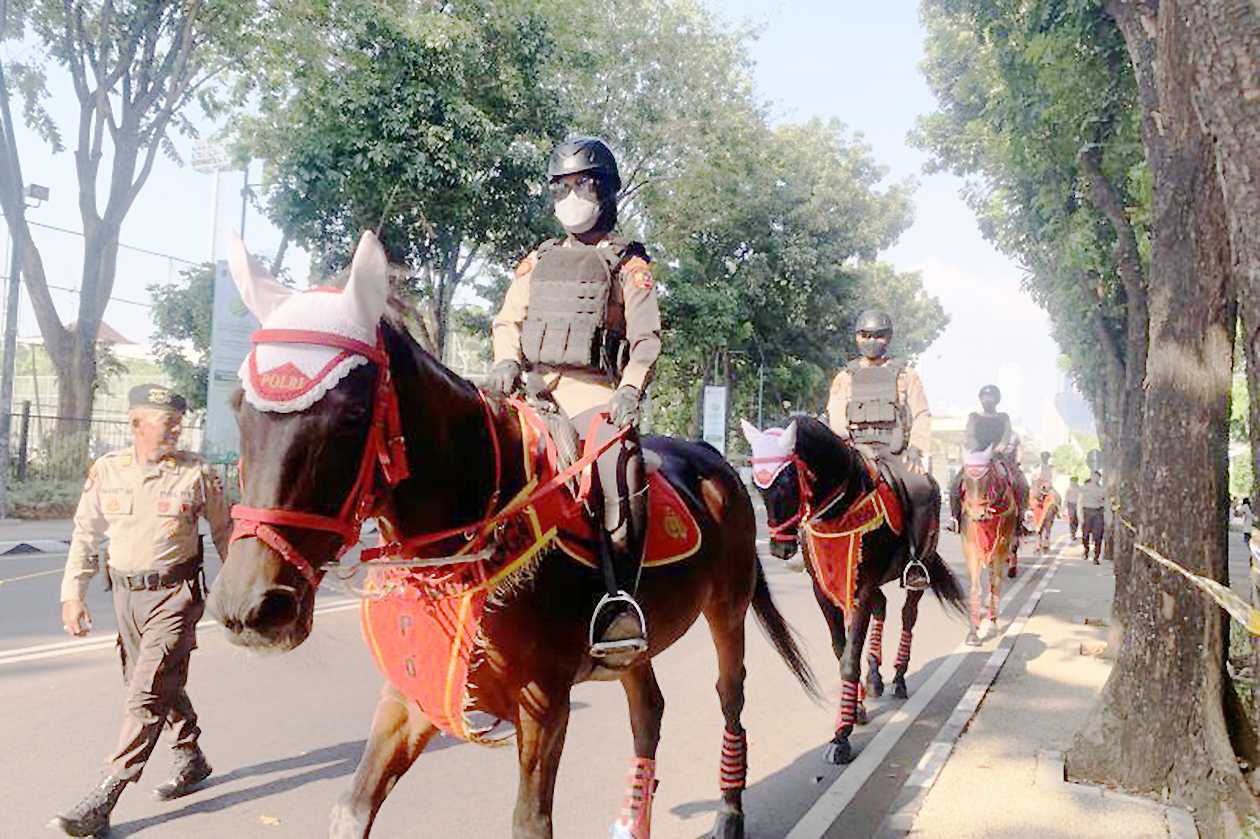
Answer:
(1005, 776)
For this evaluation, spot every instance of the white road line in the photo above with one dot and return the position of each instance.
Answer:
(64, 648)
(937, 753)
(819, 819)
(8, 580)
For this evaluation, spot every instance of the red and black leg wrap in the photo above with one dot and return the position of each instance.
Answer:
(848, 705)
(876, 643)
(734, 773)
(903, 650)
(636, 811)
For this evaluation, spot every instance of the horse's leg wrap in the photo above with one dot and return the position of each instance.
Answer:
(635, 821)
(734, 760)
(847, 716)
(903, 651)
(877, 640)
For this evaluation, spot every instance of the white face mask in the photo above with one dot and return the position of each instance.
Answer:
(577, 214)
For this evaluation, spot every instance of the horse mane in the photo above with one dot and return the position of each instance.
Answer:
(398, 334)
(826, 452)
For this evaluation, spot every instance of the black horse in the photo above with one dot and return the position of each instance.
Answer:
(809, 478)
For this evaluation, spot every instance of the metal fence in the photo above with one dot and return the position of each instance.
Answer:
(51, 448)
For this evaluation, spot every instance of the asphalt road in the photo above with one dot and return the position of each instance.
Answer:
(285, 732)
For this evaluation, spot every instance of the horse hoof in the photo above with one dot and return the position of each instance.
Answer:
(973, 640)
(861, 718)
(874, 682)
(728, 826)
(839, 753)
(1010, 572)
(899, 688)
(343, 823)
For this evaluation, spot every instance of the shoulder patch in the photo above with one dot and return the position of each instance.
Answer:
(527, 264)
(90, 480)
(636, 270)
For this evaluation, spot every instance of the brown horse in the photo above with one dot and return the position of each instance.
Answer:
(990, 515)
(815, 481)
(1045, 509)
(310, 474)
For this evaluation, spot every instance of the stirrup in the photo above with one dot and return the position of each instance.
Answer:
(623, 645)
(918, 586)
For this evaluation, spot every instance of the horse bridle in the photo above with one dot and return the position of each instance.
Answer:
(385, 447)
(786, 530)
(989, 511)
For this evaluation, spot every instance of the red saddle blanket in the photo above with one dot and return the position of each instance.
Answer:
(834, 548)
(423, 627)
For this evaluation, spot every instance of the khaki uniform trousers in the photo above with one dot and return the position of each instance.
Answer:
(157, 632)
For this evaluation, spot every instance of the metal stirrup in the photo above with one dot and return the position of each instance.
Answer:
(906, 571)
(604, 648)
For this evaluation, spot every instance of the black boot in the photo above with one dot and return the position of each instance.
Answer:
(90, 817)
(618, 633)
(191, 768)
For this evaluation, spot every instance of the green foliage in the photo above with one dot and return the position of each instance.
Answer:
(181, 331)
(48, 499)
(427, 122)
(1242, 478)
(1027, 93)
(1068, 460)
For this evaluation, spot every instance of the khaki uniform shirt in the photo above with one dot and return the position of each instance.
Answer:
(633, 297)
(1093, 496)
(1073, 496)
(910, 393)
(149, 513)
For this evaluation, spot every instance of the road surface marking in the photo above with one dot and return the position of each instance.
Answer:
(819, 819)
(8, 580)
(63, 648)
(912, 795)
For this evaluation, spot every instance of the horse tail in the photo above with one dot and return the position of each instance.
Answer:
(944, 584)
(782, 636)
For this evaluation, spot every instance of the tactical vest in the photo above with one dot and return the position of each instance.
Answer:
(876, 415)
(988, 429)
(576, 318)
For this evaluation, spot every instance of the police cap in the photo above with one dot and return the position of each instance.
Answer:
(156, 396)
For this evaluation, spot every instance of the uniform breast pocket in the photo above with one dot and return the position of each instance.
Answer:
(116, 504)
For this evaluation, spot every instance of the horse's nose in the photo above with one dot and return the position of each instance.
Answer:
(276, 609)
(783, 550)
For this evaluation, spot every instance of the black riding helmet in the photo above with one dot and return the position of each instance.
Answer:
(589, 154)
(877, 323)
(585, 154)
(991, 391)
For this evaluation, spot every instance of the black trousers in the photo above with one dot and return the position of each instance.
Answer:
(1092, 523)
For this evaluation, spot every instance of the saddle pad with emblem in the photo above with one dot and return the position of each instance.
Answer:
(424, 628)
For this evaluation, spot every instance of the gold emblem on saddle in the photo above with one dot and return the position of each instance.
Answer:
(674, 526)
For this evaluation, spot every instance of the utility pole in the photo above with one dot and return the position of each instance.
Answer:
(13, 292)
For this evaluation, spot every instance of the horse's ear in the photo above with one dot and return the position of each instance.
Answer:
(788, 438)
(751, 434)
(368, 286)
(260, 292)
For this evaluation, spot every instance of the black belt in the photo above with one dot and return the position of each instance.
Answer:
(154, 580)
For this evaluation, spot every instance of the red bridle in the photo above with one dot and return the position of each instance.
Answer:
(786, 530)
(385, 446)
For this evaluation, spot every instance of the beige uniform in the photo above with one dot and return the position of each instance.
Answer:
(632, 309)
(910, 393)
(1093, 496)
(148, 512)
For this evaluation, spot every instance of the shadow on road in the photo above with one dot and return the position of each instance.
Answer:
(329, 762)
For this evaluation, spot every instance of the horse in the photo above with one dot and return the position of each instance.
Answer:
(393, 434)
(990, 517)
(1045, 509)
(812, 479)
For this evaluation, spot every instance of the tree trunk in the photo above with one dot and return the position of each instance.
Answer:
(1171, 669)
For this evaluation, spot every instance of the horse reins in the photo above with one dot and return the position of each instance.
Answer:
(786, 530)
(386, 446)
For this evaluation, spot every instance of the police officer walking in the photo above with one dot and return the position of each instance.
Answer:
(1093, 517)
(581, 318)
(879, 403)
(146, 500)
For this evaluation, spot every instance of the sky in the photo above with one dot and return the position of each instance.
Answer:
(849, 59)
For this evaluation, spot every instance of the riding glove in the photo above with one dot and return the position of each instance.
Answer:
(504, 378)
(623, 408)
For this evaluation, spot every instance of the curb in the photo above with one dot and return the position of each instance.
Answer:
(34, 546)
(1051, 773)
(906, 807)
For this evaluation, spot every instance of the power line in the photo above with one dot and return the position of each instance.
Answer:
(120, 244)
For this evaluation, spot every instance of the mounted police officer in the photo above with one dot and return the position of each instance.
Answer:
(146, 500)
(991, 429)
(581, 320)
(879, 403)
